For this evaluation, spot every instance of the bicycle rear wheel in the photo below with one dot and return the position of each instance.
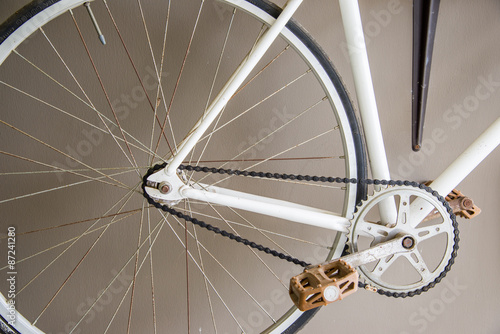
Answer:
(82, 123)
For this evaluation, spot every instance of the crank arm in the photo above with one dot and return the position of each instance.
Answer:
(325, 283)
(401, 243)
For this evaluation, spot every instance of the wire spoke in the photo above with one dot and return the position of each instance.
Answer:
(149, 252)
(134, 162)
(169, 108)
(59, 188)
(256, 104)
(58, 169)
(135, 269)
(160, 87)
(130, 193)
(203, 272)
(61, 170)
(71, 274)
(60, 152)
(57, 82)
(207, 291)
(264, 235)
(77, 222)
(144, 148)
(272, 133)
(71, 239)
(158, 74)
(66, 66)
(254, 253)
(134, 67)
(151, 272)
(158, 226)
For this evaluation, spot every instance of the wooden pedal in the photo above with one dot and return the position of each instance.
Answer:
(462, 205)
(323, 284)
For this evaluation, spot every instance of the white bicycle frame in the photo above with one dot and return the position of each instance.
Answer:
(353, 28)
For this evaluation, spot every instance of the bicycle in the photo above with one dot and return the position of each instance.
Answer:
(124, 129)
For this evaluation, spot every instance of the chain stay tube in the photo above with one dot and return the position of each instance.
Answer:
(266, 206)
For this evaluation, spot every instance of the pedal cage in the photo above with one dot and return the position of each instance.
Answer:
(323, 284)
(462, 205)
(466, 206)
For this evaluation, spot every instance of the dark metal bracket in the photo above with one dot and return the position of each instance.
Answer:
(425, 13)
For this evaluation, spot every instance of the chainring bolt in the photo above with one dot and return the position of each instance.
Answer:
(408, 242)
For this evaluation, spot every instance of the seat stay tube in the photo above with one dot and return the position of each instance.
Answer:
(230, 88)
(360, 67)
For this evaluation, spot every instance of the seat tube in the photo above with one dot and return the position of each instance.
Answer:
(360, 67)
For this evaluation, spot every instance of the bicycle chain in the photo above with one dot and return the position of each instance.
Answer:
(289, 258)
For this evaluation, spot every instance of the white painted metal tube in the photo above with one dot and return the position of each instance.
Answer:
(269, 207)
(469, 159)
(360, 66)
(232, 85)
(459, 169)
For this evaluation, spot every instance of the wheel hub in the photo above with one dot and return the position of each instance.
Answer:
(165, 188)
